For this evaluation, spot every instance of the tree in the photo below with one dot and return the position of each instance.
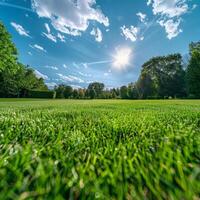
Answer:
(162, 77)
(114, 93)
(15, 78)
(68, 90)
(95, 90)
(92, 93)
(27, 80)
(145, 85)
(124, 92)
(132, 91)
(194, 46)
(75, 94)
(60, 89)
(193, 71)
(19, 83)
(81, 93)
(8, 52)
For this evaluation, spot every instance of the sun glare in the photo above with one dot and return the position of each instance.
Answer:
(122, 58)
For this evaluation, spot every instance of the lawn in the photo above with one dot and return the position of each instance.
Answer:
(99, 149)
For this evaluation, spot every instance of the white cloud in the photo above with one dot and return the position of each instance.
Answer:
(169, 8)
(85, 74)
(130, 33)
(29, 53)
(171, 27)
(142, 17)
(76, 86)
(61, 37)
(149, 2)
(96, 32)
(65, 66)
(69, 16)
(47, 27)
(51, 67)
(48, 34)
(20, 29)
(70, 78)
(38, 47)
(170, 13)
(51, 85)
(194, 6)
(85, 65)
(50, 37)
(40, 75)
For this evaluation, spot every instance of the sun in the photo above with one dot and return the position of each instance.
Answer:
(122, 58)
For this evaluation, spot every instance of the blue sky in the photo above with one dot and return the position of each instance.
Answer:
(80, 41)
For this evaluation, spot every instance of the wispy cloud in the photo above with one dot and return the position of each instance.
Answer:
(65, 66)
(51, 67)
(15, 6)
(51, 85)
(98, 62)
(70, 78)
(61, 37)
(38, 47)
(49, 35)
(40, 75)
(20, 29)
(130, 33)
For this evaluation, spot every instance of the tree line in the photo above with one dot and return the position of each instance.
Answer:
(161, 77)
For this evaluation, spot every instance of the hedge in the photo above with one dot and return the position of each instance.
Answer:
(41, 94)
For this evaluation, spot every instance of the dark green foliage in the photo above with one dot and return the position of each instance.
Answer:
(194, 46)
(124, 92)
(41, 94)
(161, 77)
(133, 92)
(68, 91)
(8, 52)
(15, 78)
(95, 90)
(75, 94)
(17, 84)
(60, 89)
(63, 91)
(193, 71)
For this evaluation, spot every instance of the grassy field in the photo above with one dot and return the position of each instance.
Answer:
(100, 149)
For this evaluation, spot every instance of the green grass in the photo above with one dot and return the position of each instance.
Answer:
(100, 149)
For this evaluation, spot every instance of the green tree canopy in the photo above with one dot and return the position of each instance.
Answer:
(124, 92)
(15, 78)
(19, 83)
(68, 90)
(8, 51)
(95, 90)
(162, 76)
(193, 71)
